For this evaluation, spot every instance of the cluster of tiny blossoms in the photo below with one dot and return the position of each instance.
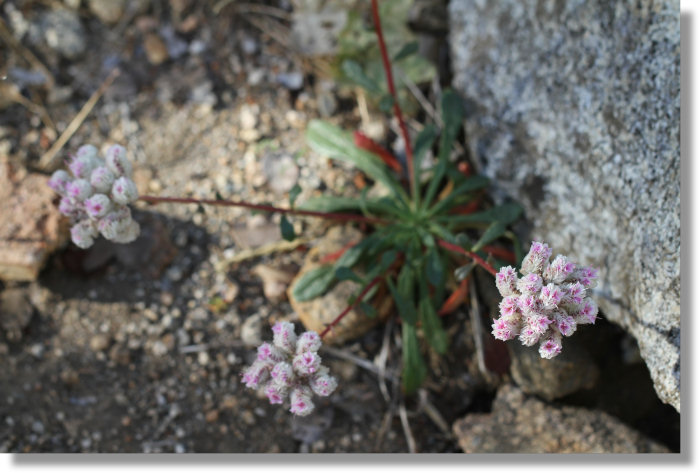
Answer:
(290, 366)
(547, 302)
(96, 196)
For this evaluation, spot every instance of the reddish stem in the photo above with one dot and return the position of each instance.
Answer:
(266, 208)
(477, 259)
(345, 312)
(392, 91)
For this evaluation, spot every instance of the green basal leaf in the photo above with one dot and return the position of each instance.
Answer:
(408, 49)
(470, 184)
(505, 213)
(337, 144)
(424, 141)
(435, 268)
(353, 71)
(387, 260)
(431, 324)
(414, 370)
(386, 103)
(314, 283)
(287, 229)
(464, 271)
(368, 309)
(495, 230)
(343, 273)
(403, 294)
(293, 194)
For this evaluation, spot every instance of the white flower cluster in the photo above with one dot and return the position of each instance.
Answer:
(96, 197)
(290, 367)
(547, 302)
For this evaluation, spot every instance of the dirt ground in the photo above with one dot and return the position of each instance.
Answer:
(138, 348)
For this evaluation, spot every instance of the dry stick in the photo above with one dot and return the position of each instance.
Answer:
(7, 37)
(392, 91)
(380, 360)
(47, 160)
(407, 428)
(477, 259)
(477, 329)
(265, 208)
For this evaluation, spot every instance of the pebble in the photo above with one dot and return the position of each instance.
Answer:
(156, 50)
(281, 172)
(99, 342)
(291, 80)
(108, 11)
(64, 33)
(251, 331)
(38, 427)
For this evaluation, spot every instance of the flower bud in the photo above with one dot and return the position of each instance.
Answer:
(530, 284)
(528, 336)
(79, 189)
(102, 179)
(87, 151)
(83, 234)
(282, 373)
(550, 346)
(539, 323)
(255, 375)
(565, 323)
(117, 162)
(550, 296)
(124, 191)
(70, 208)
(560, 269)
(509, 307)
(506, 281)
(301, 401)
(269, 354)
(308, 341)
(129, 233)
(537, 257)
(284, 336)
(115, 223)
(503, 330)
(98, 205)
(59, 180)
(275, 393)
(588, 312)
(323, 384)
(306, 363)
(82, 166)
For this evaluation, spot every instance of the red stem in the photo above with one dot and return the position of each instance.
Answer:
(266, 208)
(392, 91)
(362, 294)
(477, 259)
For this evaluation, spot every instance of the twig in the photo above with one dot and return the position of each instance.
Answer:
(359, 299)
(432, 412)
(361, 362)
(407, 428)
(477, 329)
(47, 160)
(477, 259)
(380, 360)
(253, 8)
(274, 247)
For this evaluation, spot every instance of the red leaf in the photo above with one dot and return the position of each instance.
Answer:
(368, 144)
(455, 299)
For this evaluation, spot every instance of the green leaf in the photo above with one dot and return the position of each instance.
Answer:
(403, 295)
(386, 103)
(408, 49)
(332, 141)
(287, 229)
(353, 71)
(505, 213)
(387, 260)
(431, 324)
(463, 271)
(470, 184)
(435, 269)
(343, 273)
(293, 194)
(414, 370)
(314, 283)
(368, 309)
(495, 230)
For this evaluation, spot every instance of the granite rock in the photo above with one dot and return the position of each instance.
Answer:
(522, 424)
(573, 109)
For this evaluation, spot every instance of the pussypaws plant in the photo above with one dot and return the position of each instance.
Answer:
(96, 197)
(547, 302)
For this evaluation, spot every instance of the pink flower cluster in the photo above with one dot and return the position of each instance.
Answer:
(97, 195)
(290, 366)
(547, 303)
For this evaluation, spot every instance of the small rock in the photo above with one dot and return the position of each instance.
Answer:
(212, 416)
(281, 171)
(156, 50)
(523, 424)
(64, 33)
(572, 370)
(38, 427)
(37, 350)
(99, 342)
(291, 80)
(108, 11)
(251, 331)
(316, 314)
(275, 281)
(15, 312)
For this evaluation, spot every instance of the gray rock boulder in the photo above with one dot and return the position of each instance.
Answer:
(573, 108)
